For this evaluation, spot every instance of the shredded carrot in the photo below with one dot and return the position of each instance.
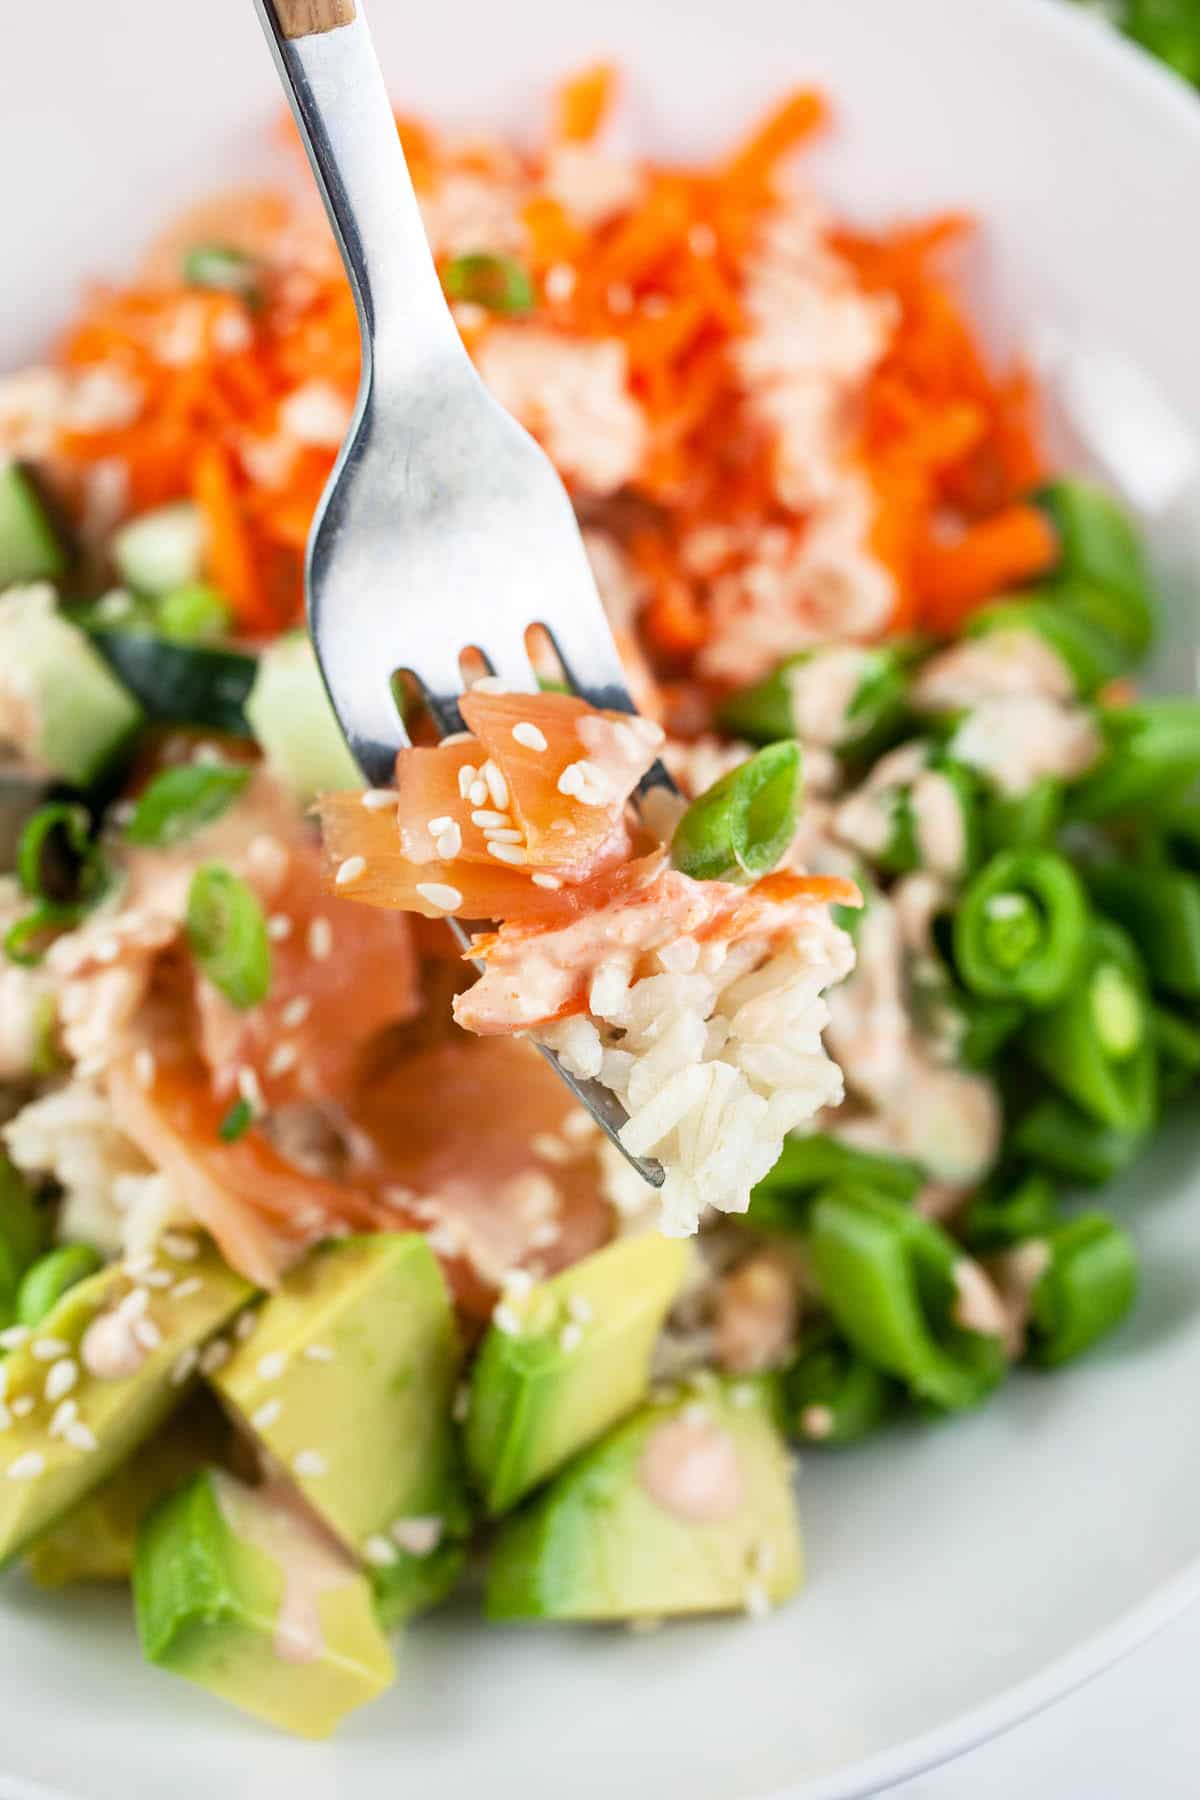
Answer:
(1001, 552)
(230, 554)
(583, 103)
(784, 130)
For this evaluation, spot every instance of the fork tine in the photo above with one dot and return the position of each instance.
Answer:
(508, 659)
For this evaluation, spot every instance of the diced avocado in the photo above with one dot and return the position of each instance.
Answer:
(685, 1508)
(412, 1584)
(95, 1543)
(348, 1381)
(60, 704)
(83, 1424)
(21, 1235)
(161, 550)
(575, 1360)
(31, 548)
(290, 715)
(238, 1591)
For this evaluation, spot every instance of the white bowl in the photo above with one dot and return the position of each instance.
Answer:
(963, 1575)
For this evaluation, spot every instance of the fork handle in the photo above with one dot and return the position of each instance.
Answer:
(334, 86)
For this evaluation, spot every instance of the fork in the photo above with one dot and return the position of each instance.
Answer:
(444, 526)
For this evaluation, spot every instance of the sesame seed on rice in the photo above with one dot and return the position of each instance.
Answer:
(350, 871)
(543, 880)
(440, 894)
(320, 938)
(180, 1246)
(309, 1462)
(379, 799)
(61, 1379)
(529, 735)
(318, 1353)
(49, 1349)
(570, 1337)
(27, 1467)
(282, 1058)
(271, 1366)
(295, 1012)
(515, 854)
(380, 1552)
(279, 927)
(264, 1416)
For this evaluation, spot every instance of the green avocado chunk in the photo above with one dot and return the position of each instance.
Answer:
(567, 1361)
(60, 704)
(97, 1378)
(95, 1543)
(236, 1589)
(687, 1507)
(348, 1382)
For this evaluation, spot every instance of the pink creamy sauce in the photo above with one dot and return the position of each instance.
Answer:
(310, 1562)
(690, 1468)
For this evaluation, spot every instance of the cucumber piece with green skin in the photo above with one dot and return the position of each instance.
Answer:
(182, 684)
(294, 722)
(59, 702)
(31, 548)
(161, 550)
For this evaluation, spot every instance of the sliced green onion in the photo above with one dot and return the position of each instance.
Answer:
(1057, 1135)
(44, 1285)
(26, 942)
(194, 614)
(1020, 929)
(499, 283)
(36, 871)
(832, 1395)
(228, 935)
(1118, 1012)
(1001, 1215)
(236, 1123)
(224, 269)
(180, 800)
(743, 824)
(1086, 1290)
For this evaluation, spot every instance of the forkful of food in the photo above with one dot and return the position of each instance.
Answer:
(674, 984)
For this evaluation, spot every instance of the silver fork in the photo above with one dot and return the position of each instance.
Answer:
(444, 526)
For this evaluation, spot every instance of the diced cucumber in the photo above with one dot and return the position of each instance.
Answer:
(31, 549)
(59, 703)
(161, 550)
(294, 722)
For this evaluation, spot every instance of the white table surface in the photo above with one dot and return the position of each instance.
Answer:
(1133, 1731)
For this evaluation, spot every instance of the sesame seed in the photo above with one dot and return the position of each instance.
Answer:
(249, 1087)
(570, 1337)
(506, 1320)
(487, 820)
(107, 950)
(320, 939)
(578, 1124)
(147, 1334)
(468, 775)
(584, 782)
(266, 1415)
(353, 869)
(551, 1149)
(504, 834)
(272, 1365)
(145, 1067)
(81, 1436)
(695, 1413)
(282, 1058)
(137, 1299)
(318, 1353)
(379, 799)
(13, 1337)
(246, 1325)
(462, 1403)
(517, 1283)
(49, 1349)
(448, 843)
(27, 1467)
(440, 894)
(542, 880)
(579, 1307)
(157, 1278)
(22, 1406)
(817, 1421)
(309, 1462)
(756, 1600)
(458, 737)
(61, 1379)
(183, 1290)
(529, 735)
(379, 1552)
(497, 787)
(214, 1356)
(477, 793)
(441, 823)
(279, 927)
(180, 1246)
(64, 1415)
(515, 854)
(560, 282)
(419, 1536)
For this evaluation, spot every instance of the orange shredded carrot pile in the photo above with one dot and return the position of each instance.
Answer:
(947, 444)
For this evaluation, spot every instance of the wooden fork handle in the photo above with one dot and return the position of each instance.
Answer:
(305, 18)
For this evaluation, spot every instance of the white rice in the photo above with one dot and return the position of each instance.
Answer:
(715, 1066)
(69, 1135)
